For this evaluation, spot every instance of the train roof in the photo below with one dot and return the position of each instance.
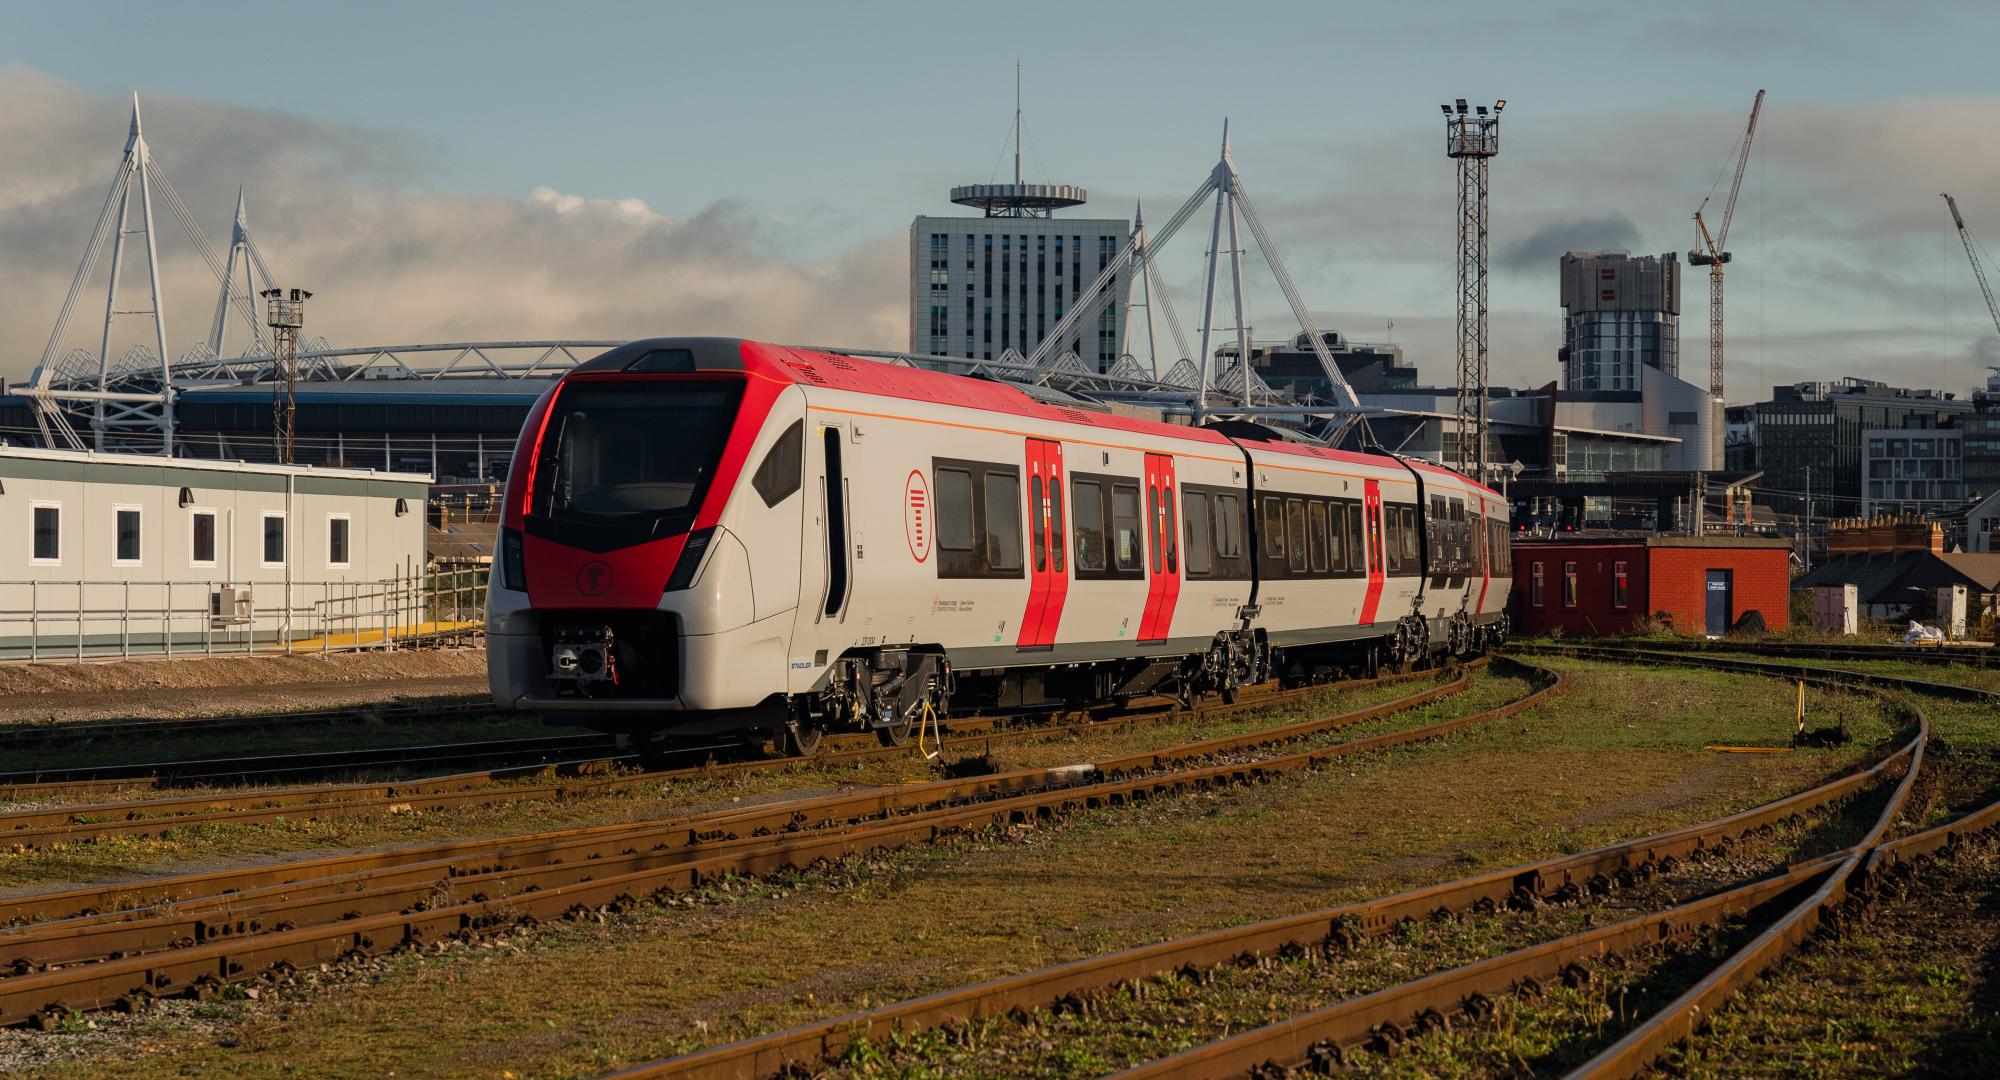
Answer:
(859, 375)
(834, 371)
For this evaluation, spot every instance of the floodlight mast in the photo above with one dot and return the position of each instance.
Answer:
(1472, 139)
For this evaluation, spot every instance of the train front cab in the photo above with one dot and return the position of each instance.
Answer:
(646, 486)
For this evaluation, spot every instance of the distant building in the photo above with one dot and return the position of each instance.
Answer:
(982, 285)
(1912, 472)
(1810, 438)
(1294, 368)
(1897, 566)
(1620, 314)
(1982, 441)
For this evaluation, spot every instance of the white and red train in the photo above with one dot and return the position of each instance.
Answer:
(706, 534)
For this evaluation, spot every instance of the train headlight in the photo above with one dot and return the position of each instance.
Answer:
(513, 570)
(690, 560)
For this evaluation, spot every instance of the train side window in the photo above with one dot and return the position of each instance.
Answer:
(1357, 552)
(1056, 542)
(1153, 520)
(1195, 522)
(778, 477)
(954, 509)
(1316, 539)
(1392, 538)
(1003, 520)
(1228, 527)
(1130, 545)
(1167, 538)
(1274, 527)
(1088, 517)
(1410, 557)
(1038, 521)
(1295, 534)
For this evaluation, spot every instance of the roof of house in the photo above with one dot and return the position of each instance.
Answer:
(1905, 577)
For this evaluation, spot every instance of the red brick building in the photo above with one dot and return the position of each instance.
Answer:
(1696, 584)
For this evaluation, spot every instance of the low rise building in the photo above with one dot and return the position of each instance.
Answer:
(1897, 565)
(1613, 585)
(110, 553)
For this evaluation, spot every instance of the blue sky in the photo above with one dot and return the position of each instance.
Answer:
(823, 128)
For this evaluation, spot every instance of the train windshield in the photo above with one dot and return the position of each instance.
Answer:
(623, 452)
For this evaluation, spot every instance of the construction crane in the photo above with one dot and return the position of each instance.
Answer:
(1713, 253)
(1972, 256)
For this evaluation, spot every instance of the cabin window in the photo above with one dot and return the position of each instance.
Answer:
(1130, 546)
(1535, 585)
(127, 533)
(47, 532)
(274, 538)
(1003, 521)
(784, 463)
(1088, 518)
(1620, 576)
(338, 555)
(1316, 539)
(201, 538)
(1228, 527)
(1274, 527)
(1295, 534)
(954, 509)
(1569, 584)
(1196, 525)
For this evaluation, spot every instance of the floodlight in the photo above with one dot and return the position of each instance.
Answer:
(1461, 106)
(1481, 109)
(1498, 105)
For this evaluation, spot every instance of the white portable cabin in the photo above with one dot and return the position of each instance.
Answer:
(105, 553)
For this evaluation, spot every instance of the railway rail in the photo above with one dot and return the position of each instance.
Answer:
(46, 734)
(198, 933)
(1320, 1039)
(260, 767)
(41, 827)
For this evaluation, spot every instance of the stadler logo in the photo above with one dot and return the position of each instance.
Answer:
(594, 579)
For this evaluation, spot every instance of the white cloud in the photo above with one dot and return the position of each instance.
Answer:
(335, 209)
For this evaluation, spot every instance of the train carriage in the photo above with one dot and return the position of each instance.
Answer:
(718, 535)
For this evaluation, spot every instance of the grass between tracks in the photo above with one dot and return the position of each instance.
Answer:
(213, 846)
(1912, 987)
(1619, 756)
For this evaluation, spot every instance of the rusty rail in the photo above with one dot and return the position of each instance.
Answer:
(82, 823)
(235, 941)
(1389, 1015)
(1558, 878)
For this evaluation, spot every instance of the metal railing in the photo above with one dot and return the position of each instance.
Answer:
(52, 620)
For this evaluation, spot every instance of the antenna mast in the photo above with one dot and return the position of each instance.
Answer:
(1017, 123)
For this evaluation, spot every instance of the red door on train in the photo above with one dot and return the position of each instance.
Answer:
(1163, 588)
(1048, 565)
(1371, 531)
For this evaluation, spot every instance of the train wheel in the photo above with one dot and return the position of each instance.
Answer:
(802, 737)
(896, 734)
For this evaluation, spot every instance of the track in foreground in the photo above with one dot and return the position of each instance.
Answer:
(1320, 1039)
(154, 816)
(217, 929)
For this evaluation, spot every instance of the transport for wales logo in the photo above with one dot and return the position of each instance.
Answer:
(594, 579)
